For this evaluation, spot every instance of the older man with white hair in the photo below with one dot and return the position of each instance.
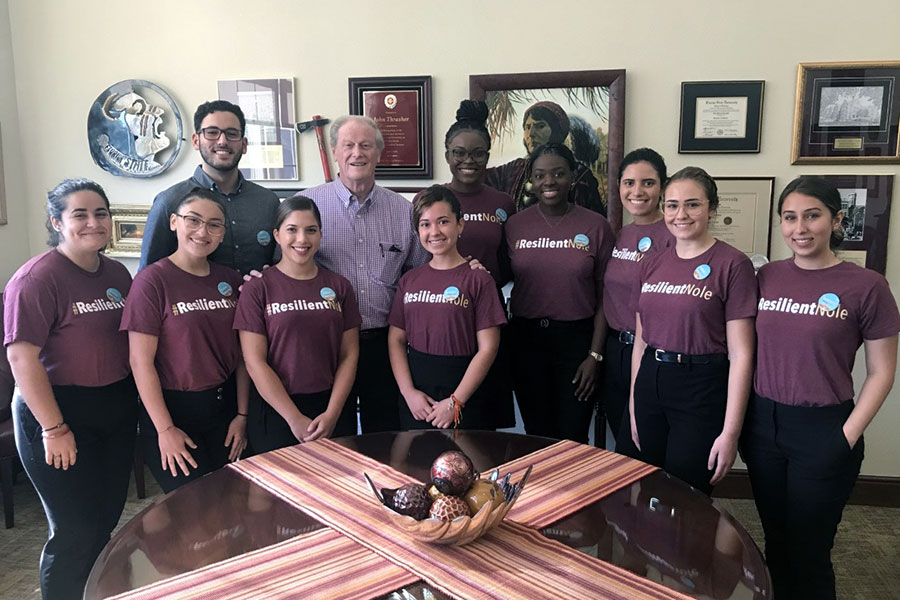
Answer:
(367, 236)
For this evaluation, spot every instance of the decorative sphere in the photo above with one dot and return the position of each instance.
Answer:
(412, 500)
(452, 473)
(483, 492)
(447, 508)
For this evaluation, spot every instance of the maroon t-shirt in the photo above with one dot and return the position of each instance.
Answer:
(485, 213)
(192, 316)
(558, 264)
(303, 321)
(684, 303)
(441, 311)
(72, 315)
(809, 326)
(621, 282)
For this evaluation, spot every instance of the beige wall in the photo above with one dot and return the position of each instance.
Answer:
(66, 52)
(14, 248)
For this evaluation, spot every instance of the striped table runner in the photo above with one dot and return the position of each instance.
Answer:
(568, 476)
(513, 561)
(322, 565)
(362, 557)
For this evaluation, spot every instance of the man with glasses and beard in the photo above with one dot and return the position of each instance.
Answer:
(249, 208)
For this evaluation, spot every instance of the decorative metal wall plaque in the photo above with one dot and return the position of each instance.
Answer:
(134, 129)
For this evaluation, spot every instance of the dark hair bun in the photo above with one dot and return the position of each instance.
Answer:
(472, 110)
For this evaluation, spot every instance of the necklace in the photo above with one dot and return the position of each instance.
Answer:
(556, 220)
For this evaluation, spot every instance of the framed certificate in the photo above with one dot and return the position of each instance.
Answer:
(847, 113)
(744, 215)
(720, 116)
(402, 108)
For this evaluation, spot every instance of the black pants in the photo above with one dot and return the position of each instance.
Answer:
(204, 416)
(802, 471)
(546, 355)
(680, 411)
(276, 433)
(614, 392)
(374, 386)
(83, 504)
(438, 376)
(498, 385)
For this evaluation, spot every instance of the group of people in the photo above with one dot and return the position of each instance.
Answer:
(392, 311)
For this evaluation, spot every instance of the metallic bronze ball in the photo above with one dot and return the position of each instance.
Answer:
(452, 473)
(412, 500)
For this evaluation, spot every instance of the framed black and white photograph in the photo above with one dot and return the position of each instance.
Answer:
(720, 116)
(866, 203)
(847, 113)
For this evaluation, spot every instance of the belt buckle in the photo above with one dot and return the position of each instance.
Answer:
(626, 337)
(656, 354)
(545, 323)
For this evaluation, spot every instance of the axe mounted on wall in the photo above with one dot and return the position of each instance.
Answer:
(318, 122)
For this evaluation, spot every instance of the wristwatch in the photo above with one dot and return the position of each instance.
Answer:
(596, 356)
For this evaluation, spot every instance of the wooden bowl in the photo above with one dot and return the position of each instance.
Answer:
(459, 531)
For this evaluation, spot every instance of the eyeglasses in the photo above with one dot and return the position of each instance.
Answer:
(478, 154)
(213, 133)
(194, 223)
(692, 207)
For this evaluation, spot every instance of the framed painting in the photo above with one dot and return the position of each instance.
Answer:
(128, 223)
(587, 110)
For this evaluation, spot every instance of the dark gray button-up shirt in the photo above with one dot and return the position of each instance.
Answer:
(249, 218)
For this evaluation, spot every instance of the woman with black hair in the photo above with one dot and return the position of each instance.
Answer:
(485, 211)
(299, 331)
(75, 407)
(184, 353)
(803, 435)
(642, 174)
(692, 358)
(558, 252)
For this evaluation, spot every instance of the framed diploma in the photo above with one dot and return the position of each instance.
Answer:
(847, 113)
(866, 202)
(402, 108)
(720, 116)
(744, 214)
(268, 107)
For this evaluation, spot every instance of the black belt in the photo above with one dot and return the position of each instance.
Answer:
(688, 359)
(624, 337)
(369, 334)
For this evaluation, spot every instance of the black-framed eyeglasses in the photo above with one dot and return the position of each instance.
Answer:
(478, 154)
(213, 133)
(193, 223)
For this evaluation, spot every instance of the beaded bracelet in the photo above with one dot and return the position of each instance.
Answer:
(457, 410)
